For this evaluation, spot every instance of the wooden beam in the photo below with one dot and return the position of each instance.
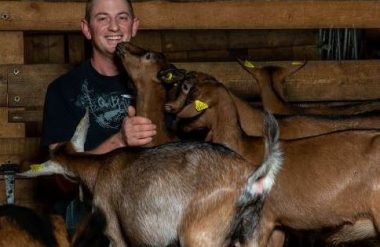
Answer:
(15, 150)
(10, 130)
(11, 48)
(258, 14)
(317, 81)
(27, 84)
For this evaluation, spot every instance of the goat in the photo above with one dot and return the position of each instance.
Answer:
(292, 127)
(21, 226)
(178, 191)
(330, 181)
(270, 77)
(148, 69)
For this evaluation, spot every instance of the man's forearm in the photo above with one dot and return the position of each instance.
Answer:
(112, 143)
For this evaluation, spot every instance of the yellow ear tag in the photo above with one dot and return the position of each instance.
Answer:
(297, 63)
(200, 105)
(248, 64)
(36, 167)
(169, 76)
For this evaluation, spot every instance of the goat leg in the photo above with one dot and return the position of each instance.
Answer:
(112, 231)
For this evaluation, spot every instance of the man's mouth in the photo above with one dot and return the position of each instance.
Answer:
(114, 37)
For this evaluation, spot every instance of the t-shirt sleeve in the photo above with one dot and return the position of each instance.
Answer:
(58, 120)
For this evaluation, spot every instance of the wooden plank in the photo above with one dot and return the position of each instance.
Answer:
(44, 48)
(10, 130)
(24, 116)
(195, 40)
(12, 48)
(3, 86)
(149, 39)
(27, 84)
(15, 150)
(317, 81)
(260, 14)
(76, 48)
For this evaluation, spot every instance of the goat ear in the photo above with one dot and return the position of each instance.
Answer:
(279, 74)
(251, 120)
(254, 69)
(79, 137)
(193, 109)
(172, 75)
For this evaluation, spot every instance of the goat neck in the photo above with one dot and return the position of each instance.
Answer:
(143, 67)
(221, 118)
(74, 164)
(271, 80)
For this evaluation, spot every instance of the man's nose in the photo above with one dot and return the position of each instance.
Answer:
(114, 25)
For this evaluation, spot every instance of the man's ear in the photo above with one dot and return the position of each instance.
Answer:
(85, 29)
(135, 26)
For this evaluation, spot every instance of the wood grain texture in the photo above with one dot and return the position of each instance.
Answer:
(242, 14)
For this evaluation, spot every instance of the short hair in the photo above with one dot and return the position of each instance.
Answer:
(90, 3)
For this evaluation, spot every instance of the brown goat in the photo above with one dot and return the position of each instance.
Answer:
(271, 77)
(327, 182)
(147, 70)
(21, 226)
(292, 127)
(178, 191)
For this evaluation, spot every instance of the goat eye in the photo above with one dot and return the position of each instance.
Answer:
(147, 56)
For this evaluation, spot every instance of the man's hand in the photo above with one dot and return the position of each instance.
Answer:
(137, 130)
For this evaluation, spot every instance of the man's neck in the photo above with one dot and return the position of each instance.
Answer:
(104, 66)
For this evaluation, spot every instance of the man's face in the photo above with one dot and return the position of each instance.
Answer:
(111, 22)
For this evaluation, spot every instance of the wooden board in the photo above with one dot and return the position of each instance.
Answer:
(317, 81)
(10, 130)
(44, 48)
(3, 86)
(242, 14)
(27, 84)
(12, 47)
(76, 51)
(15, 150)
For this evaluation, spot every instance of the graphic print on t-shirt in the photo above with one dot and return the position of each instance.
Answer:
(108, 109)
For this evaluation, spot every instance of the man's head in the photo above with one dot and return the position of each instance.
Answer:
(108, 22)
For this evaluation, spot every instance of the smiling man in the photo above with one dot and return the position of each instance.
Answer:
(99, 85)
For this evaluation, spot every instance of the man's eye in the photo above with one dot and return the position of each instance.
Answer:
(124, 18)
(101, 19)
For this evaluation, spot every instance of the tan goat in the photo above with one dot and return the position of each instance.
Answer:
(21, 226)
(147, 70)
(179, 191)
(330, 181)
(292, 127)
(270, 78)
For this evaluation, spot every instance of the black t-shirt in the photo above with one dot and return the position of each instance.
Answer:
(83, 87)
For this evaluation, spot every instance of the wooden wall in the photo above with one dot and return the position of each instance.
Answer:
(41, 40)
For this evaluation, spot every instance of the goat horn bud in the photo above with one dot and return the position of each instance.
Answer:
(200, 105)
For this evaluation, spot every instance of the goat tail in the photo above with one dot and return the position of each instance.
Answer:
(262, 179)
(260, 182)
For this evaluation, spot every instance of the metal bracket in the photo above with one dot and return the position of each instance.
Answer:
(9, 170)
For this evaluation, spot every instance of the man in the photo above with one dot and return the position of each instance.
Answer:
(101, 85)
(98, 84)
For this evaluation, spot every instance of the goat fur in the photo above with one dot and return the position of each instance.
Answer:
(328, 181)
